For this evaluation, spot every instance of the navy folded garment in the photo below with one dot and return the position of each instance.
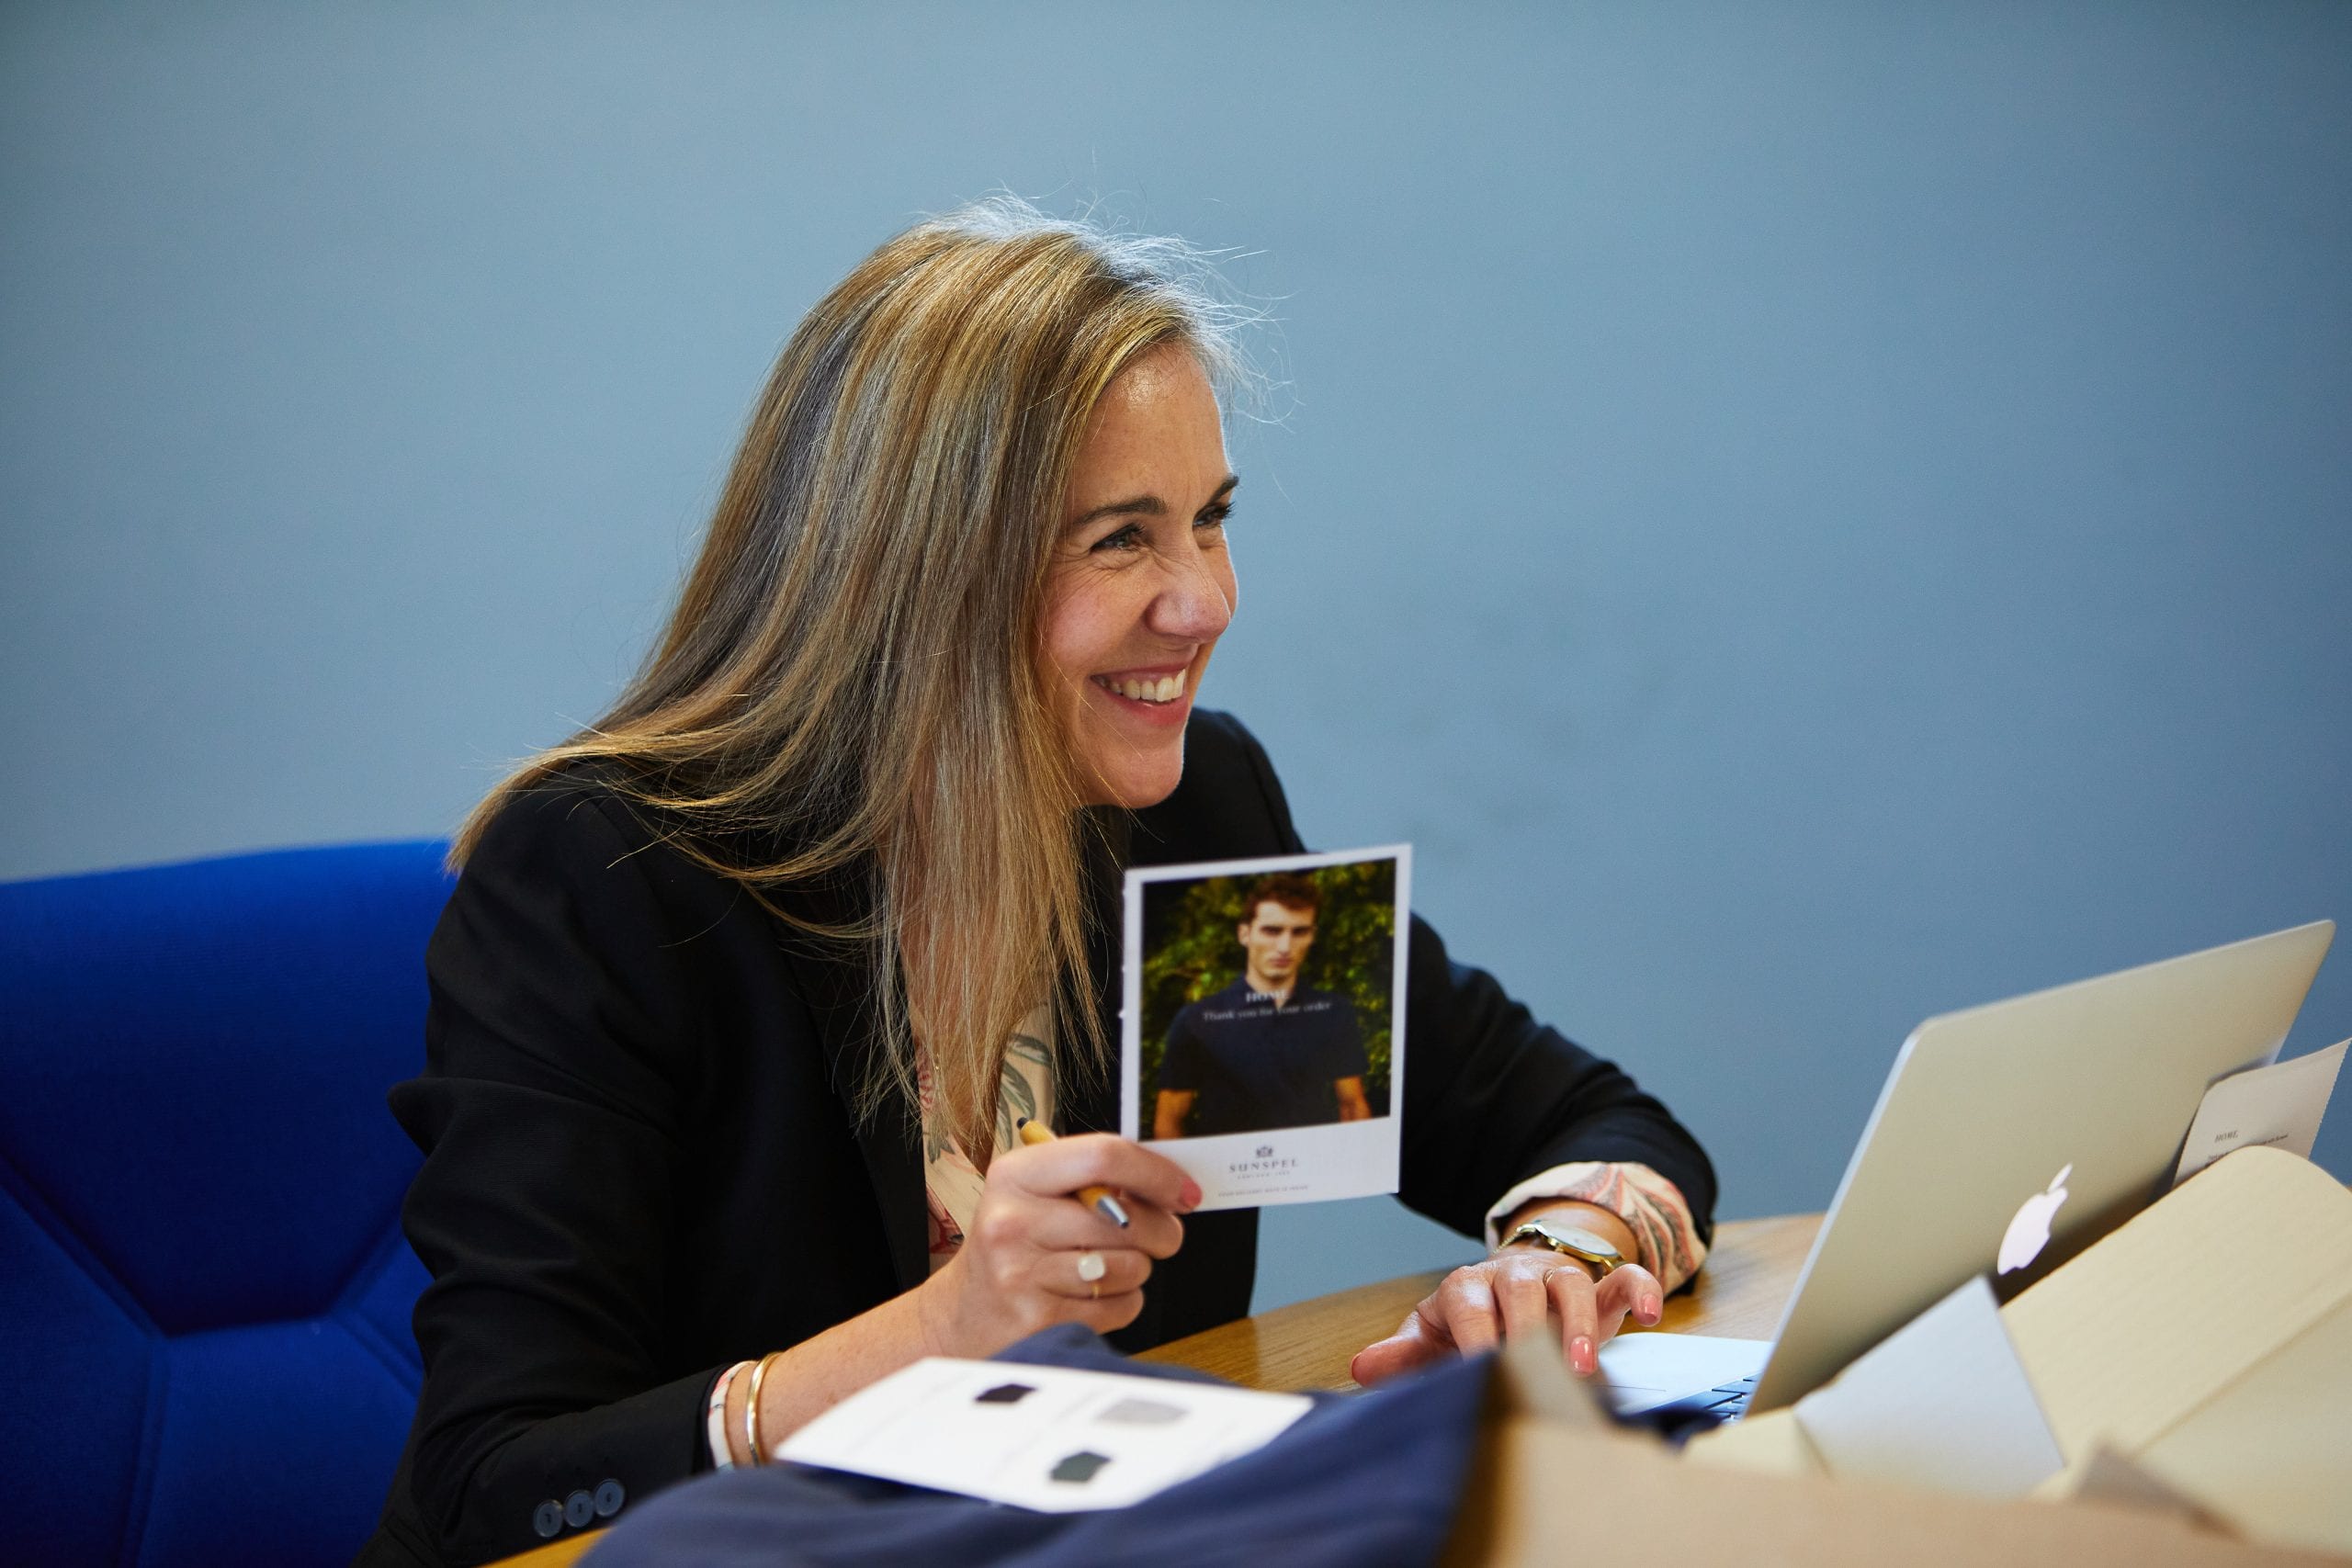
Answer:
(1360, 1479)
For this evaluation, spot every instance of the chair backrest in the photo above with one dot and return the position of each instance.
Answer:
(205, 1352)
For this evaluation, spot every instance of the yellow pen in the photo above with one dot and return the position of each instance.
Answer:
(1105, 1202)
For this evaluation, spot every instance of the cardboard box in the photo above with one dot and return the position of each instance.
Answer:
(2195, 1367)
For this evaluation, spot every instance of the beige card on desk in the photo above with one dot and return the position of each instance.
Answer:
(2184, 1300)
(2227, 1454)
(2217, 1322)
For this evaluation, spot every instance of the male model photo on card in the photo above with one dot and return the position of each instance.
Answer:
(1268, 1050)
(1263, 1039)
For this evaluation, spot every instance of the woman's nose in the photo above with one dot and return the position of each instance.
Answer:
(1194, 604)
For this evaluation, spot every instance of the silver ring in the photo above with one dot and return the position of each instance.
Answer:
(1090, 1268)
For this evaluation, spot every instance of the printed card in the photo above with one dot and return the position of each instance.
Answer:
(2277, 1106)
(1051, 1439)
(1262, 1033)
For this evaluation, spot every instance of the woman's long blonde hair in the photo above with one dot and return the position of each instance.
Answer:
(852, 674)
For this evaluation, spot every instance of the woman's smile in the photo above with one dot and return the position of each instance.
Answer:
(1159, 698)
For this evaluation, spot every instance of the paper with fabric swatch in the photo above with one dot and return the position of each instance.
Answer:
(1052, 1438)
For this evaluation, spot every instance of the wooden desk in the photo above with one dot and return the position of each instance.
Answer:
(1740, 1293)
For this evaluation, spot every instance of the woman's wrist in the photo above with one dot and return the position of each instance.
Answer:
(1575, 1214)
(797, 1385)
(939, 1304)
(959, 1316)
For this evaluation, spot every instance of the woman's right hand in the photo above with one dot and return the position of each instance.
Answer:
(1022, 1266)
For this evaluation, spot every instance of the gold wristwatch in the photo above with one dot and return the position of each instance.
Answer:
(1582, 1246)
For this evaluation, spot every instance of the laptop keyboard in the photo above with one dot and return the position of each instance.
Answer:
(1725, 1402)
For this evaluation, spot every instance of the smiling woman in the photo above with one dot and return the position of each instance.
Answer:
(746, 990)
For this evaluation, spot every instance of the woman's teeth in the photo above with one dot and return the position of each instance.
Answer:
(1166, 689)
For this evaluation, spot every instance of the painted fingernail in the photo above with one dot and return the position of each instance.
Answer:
(1580, 1355)
(1191, 1195)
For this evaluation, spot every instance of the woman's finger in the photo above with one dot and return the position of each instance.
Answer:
(1092, 1274)
(1572, 1292)
(1526, 1307)
(1057, 1225)
(1098, 1159)
(1465, 1308)
(1417, 1342)
(1630, 1292)
(1106, 1314)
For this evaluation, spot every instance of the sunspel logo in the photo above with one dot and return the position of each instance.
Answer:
(1264, 1164)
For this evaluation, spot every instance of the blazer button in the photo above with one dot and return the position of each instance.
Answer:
(578, 1509)
(548, 1518)
(610, 1498)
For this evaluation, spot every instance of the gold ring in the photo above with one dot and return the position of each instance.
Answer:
(1094, 1290)
(1090, 1268)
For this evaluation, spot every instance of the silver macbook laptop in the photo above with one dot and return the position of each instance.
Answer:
(2067, 1106)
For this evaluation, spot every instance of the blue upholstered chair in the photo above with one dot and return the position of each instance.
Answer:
(205, 1354)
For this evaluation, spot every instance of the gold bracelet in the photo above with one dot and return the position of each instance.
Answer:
(751, 1410)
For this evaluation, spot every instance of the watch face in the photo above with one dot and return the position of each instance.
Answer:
(1577, 1240)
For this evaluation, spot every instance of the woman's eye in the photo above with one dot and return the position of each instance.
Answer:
(1133, 537)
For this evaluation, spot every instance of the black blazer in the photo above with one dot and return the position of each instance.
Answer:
(640, 1164)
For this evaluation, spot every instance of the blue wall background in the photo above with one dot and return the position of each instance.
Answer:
(1807, 516)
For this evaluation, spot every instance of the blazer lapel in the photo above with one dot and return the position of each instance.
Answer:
(1088, 1091)
(838, 980)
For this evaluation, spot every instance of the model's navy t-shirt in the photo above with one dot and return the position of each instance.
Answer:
(1255, 1065)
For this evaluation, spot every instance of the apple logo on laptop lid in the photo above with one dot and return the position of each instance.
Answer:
(2029, 1230)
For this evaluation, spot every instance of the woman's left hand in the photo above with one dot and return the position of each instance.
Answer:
(1518, 1292)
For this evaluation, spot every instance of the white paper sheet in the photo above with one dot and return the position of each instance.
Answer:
(2278, 1107)
(1045, 1438)
(1942, 1402)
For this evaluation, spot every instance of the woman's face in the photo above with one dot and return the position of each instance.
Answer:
(1142, 584)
